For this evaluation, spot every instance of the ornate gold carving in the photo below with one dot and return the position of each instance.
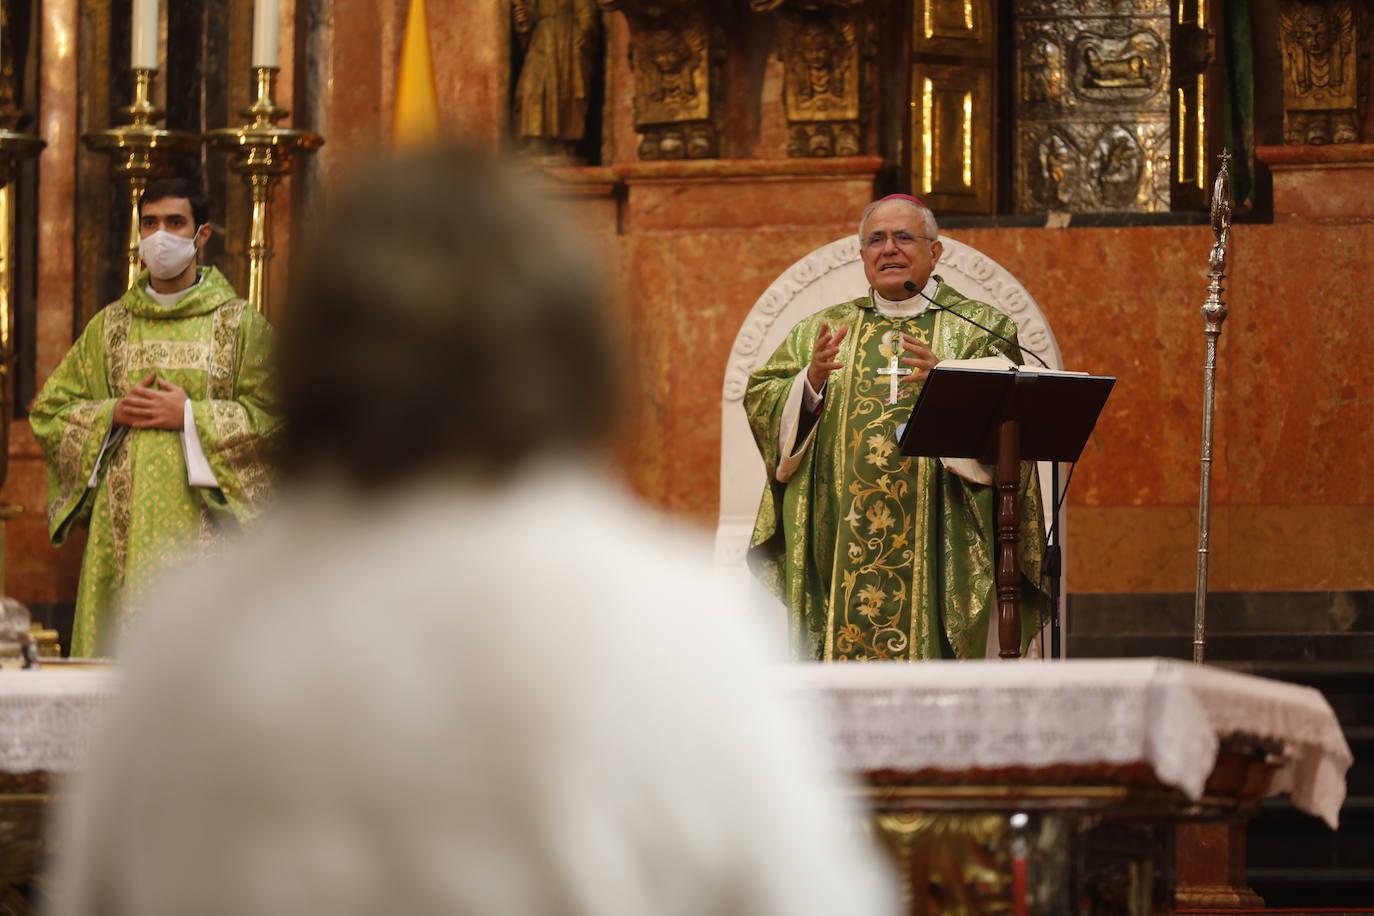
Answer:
(824, 44)
(1321, 83)
(553, 90)
(950, 863)
(676, 50)
(1092, 106)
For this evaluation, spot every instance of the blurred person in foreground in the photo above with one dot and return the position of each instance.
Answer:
(458, 672)
(157, 426)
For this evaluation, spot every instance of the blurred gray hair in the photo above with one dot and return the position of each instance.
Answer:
(443, 318)
(927, 216)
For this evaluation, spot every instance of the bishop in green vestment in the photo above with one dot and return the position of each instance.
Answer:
(878, 555)
(156, 426)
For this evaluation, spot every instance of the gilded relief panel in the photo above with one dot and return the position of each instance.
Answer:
(676, 51)
(1322, 82)
(1092, 106)
(823, 45)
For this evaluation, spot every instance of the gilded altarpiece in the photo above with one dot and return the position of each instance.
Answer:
(677, 49)
(953, 104)
(1325, 71)
(824, 46)
(1092, 105)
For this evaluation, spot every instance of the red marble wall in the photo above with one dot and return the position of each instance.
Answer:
(688, 247)
(1291, 506)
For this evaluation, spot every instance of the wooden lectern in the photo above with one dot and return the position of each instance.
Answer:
(1006, 416)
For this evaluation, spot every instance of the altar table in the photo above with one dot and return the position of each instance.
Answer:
(1001, 787)
(1057, 787)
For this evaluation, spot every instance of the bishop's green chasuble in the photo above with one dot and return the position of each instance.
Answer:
(131, 485)
(878, 555)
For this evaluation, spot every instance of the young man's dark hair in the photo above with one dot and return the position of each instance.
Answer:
(160, 188)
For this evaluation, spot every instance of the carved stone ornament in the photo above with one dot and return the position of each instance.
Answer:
(677, 52)
(823, 44)
(1322, 62)
(1092, 106)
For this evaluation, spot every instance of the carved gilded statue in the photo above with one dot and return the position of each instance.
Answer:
(553, 91)
(1320, 82)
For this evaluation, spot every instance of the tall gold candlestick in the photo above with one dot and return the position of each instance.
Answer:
(140, 150)
(262, 152)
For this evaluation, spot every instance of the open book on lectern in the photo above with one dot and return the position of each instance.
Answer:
(959, 412)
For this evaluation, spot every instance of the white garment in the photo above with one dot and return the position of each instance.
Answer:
(522, 701)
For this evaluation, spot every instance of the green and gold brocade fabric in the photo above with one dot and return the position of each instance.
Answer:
(142, 512)
(878, 555)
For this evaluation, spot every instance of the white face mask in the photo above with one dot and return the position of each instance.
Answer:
(167, 255)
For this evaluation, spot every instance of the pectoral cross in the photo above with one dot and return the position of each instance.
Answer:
(894, 375)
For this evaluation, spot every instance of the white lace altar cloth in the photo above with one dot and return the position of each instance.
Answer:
(48, 716)
(962, 715)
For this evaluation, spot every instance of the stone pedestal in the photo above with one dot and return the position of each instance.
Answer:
(1328, 184)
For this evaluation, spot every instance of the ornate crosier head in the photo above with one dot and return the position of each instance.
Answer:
(1221, 213)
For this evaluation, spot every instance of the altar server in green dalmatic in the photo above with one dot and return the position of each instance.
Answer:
(157, 425)
(878, 555)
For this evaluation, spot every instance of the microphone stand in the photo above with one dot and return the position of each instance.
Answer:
(1054, 568)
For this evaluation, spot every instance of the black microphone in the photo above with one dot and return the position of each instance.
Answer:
(913, 288)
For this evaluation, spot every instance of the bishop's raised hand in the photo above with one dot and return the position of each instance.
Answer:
(920, 358)
(823, 355)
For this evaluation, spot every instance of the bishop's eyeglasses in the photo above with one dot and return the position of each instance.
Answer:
(901, 238)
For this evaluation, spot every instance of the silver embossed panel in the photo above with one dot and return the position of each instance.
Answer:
(1092, 105)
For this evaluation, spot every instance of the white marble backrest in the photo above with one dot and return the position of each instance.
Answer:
(827, 276)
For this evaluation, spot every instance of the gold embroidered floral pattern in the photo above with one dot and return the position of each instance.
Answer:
(151, 355)
(77, 430)
(238, 446)
(874, 557)
(224, 336)
(117, 348)
(119, 488)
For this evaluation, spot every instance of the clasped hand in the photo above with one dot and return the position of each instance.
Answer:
(921, 359)
(153, 403)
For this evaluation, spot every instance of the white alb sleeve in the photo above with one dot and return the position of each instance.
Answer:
(198, 473)
(800, 398)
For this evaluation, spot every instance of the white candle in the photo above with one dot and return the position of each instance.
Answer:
(143, 46)
(266, 19)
